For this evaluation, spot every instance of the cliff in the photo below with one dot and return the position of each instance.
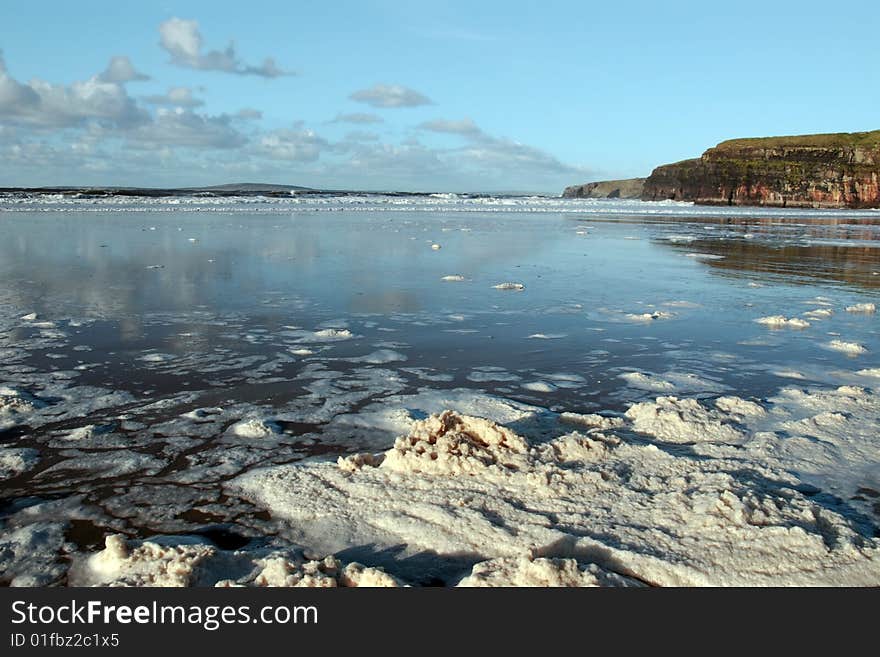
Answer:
(631, 188)
(816, 171)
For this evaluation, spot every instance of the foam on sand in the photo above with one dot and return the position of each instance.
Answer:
(155, 358)
(30, 554)
(670, 382)
(541, 572)
(449, 443)
(681, 304)
(282, 570)
(849, 348)
(179, 561)
(16, 460)
(380, 357)
(649, 317)
(592, 420)
(829, 437)
(780, 321)
(539, 386)
(675, 420)
(255, 428)
(332, 335)
(147, 564)
(16, 405)
(457, 485)
(647, 382)
(88, 432)
(863, 308)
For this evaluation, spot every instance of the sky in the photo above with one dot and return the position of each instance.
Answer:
(418, 96)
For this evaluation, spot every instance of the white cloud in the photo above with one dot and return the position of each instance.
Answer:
(513, 157)
(15, 98)
(42, 104)
(89, 100)
(182, 40)
(361, 135)
(360, 118)
(486, 152)
(296, 145)
(268, 69)
(405, 164)
(390, 95)
(92, 130)
(464, 127)
(120, 70)
(180, 127)
(176, 97)
(248, 114)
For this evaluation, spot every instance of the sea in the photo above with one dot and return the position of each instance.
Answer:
(164, 360)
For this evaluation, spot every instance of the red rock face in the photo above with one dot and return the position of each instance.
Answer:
(798, 176)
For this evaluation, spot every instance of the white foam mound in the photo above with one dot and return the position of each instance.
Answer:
(831, 437)
(452, 444)
(864, 308)
(171, 563)
(542, 572)
(509, 286)
(647, 382)
(16, 405)
(203, 415)
(649, 317)
(671, 382)
(453, 278)
(29, 555)
(539, 386)
(819, 313)
(851, 348)
(464, 485)
(332, 334)
(155, 358)
(592, 420)
(147, 564)
(280, 570)
(736, 406)
(255, 428)
(781, 321)
(675, 420)
(16, 460)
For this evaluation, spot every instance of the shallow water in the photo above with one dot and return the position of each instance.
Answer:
(146, 311)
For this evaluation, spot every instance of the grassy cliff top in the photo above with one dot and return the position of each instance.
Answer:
(832, 140)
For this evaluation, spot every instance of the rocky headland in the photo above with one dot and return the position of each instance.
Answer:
(839, 170)
(631, 188)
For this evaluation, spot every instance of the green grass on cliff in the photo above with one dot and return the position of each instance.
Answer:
(832, 140)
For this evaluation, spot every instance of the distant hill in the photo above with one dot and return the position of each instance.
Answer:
(233, 189)
(837, 170)
(630, 188)
(251, 188)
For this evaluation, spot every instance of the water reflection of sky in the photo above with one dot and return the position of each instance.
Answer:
(140, 273)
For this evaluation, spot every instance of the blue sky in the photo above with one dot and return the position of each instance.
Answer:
(458, 96)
